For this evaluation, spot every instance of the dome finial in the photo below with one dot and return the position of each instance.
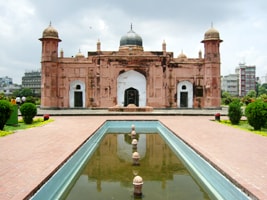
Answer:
(50, 23)
(211, 24)
(131, 26)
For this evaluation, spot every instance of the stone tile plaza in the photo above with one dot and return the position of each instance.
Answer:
(30, 156)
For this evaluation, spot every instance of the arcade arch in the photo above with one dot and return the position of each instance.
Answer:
(131, 89)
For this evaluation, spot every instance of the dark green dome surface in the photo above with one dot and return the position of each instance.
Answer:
(131, 39)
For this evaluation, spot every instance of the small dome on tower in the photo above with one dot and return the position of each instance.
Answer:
(182, 55)
(212, 34)
(79, 54)
(50, 32)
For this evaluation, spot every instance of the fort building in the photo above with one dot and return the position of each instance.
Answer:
(130, 75)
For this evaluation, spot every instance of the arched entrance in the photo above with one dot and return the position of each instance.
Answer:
(131, 96)
(131, 83)
(185, 94)
(77, 94)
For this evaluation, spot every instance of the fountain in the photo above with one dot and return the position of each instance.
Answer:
(133, 134)
(136, 158)
(138, 183)
(134, 144)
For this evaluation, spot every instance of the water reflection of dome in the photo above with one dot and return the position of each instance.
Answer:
(124, 149)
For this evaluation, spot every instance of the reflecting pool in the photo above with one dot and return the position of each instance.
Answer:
(102, 168)
(110, 171)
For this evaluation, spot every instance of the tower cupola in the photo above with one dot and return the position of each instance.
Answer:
(50, 42)
(50, 33)
(212, 34)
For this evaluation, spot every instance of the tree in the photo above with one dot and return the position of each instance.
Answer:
(6, 109)
(263, 89)
(226, 98)
(235, 111)
(257, 88)
(263, 97)
(28, 112)
(24, 92)
(252, 94)
(256, 113)
(2, 96)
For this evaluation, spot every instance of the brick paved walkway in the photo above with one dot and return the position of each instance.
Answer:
(29, 156)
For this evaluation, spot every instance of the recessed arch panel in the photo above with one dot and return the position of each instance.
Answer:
(185, 94)
(131, 79)
(77, 94)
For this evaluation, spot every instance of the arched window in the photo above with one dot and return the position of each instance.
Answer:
(183, 87)
(78, 87)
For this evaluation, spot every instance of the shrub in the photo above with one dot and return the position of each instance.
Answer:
(256, 113)
(6, 109)
(226, 98)
(246, 100)
(235, 111)
(30, 99)
(28, 112)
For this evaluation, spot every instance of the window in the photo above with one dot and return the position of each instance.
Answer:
(78, 87)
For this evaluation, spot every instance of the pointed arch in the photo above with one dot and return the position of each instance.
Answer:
(77, 94)
(185, 94)
(134, 80)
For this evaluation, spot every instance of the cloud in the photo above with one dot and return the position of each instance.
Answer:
(181, 24)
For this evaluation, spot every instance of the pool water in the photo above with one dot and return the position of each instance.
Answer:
(110, 171)
(101, 168)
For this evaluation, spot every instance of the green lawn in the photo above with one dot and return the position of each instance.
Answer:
(21, 125)
(245, 126)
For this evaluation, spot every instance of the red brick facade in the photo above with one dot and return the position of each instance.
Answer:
(130, 75)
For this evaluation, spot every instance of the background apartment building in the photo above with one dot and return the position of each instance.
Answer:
(247, 78)
(7, 87)
(240, 83)
(32, 80)
(230, 84)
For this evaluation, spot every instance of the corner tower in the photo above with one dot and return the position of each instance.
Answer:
(49, 60)
(212, 76)
(50, 42)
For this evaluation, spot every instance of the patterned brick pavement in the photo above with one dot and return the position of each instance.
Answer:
(29, 156)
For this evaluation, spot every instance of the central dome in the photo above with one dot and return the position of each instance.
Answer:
(131, 39)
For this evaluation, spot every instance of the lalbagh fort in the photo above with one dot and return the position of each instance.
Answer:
(130, 76)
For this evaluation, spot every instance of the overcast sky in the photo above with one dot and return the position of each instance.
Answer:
(242, 25)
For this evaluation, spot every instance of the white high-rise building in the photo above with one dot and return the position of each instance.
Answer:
(230, 84)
